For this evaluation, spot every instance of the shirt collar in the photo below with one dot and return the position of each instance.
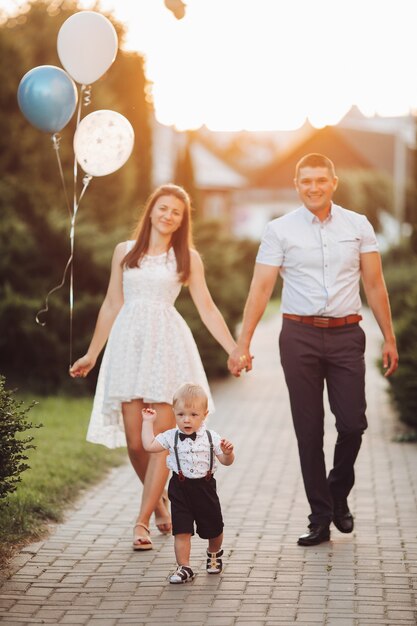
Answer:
(311, 218)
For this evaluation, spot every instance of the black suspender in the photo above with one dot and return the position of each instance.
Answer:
(210, 471)
(180, 474)
(177, 458)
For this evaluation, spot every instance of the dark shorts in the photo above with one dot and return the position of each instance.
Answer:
(195, 500)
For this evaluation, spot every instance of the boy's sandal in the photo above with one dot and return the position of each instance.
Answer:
(214, 562)
(183, 574)
(141, 541)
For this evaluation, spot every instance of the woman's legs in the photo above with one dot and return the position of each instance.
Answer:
(150, 468)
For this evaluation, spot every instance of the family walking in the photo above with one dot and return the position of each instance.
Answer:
(152, 393)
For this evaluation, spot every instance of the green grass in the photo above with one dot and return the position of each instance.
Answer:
(61, 465)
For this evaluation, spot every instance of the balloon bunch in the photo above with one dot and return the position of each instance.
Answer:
(48, 97)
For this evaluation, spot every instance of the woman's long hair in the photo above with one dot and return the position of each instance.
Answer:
(181, 240)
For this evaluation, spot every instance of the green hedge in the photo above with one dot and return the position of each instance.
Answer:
(229, 264)
(400, 269)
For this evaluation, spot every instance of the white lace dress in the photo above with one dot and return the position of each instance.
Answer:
(150, 350)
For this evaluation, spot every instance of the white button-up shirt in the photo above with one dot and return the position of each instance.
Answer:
(319, 261)
(194, 455)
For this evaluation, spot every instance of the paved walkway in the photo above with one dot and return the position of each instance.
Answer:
(86, 572)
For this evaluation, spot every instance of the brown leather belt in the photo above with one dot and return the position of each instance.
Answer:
(323, 322)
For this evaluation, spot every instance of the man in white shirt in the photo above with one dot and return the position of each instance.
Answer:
(321, 251)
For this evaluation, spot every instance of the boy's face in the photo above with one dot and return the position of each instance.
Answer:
(189, 417)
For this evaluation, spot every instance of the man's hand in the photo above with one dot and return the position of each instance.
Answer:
(389, 357)
(240, 359)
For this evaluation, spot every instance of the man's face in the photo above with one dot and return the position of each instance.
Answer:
(316, 186)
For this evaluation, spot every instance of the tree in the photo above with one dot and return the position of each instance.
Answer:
(366, 192)
(184, 168)
(34, 230)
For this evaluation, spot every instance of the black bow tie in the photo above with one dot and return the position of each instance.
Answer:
(185, 436)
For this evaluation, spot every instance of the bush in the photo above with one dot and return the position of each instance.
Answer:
(12, 449)
(401, 278)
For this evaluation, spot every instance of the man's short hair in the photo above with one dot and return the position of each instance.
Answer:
(315, 159)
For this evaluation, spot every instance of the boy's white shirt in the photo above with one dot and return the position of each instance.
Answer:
(194, 455)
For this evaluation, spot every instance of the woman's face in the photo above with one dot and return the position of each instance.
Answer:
(167, 214)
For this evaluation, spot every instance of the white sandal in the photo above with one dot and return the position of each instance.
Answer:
(183, 574)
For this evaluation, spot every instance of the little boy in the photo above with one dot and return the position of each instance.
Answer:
(192, 488)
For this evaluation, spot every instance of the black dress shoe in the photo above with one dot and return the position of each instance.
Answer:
(317, 534)
(342, 517)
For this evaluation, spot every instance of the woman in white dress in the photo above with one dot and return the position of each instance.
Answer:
(150, 350)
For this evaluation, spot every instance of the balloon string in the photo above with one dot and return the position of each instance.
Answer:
(85, 99)
(69, 264)
(86, 181)
(56, 140)
(86, 92)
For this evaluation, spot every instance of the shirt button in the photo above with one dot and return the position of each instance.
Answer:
(191, 470)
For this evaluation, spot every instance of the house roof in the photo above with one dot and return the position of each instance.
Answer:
(212, 172)
(348, 148)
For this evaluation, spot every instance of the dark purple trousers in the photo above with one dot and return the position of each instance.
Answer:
(310, 356)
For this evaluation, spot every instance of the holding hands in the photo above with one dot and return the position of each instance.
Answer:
(240, 359)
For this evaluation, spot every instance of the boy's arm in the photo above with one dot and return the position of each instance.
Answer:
(148, 437)
(227, 455)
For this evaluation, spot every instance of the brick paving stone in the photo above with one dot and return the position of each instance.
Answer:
(86, 572)
(74, 619)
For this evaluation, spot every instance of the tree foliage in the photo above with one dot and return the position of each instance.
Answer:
(228, 263)
(400, 269)
(366, 192)
(34, 229)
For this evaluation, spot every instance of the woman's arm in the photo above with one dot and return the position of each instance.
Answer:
(208, 311)
(112, 304)
(262, 285)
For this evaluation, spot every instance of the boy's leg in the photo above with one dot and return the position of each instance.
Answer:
(214, 554)
(215, 544)
(182, 547)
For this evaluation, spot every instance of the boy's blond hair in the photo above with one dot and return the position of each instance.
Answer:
(188, 394)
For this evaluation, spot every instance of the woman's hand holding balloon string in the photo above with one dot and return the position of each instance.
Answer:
(82, 367)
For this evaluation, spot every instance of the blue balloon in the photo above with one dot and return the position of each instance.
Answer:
(47, 97)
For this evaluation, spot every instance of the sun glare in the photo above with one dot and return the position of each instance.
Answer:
(270, 64)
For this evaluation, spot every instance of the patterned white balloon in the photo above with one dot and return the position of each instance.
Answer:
(103, 142)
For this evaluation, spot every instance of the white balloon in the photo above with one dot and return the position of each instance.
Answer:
(103, 142)
(87, 46)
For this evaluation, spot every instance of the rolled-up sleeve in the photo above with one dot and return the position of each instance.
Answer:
(164, 440)
(270, 251)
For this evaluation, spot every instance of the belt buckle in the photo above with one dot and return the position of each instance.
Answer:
(321, 322)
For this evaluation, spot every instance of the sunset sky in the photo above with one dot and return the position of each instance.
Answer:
(270, 64)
